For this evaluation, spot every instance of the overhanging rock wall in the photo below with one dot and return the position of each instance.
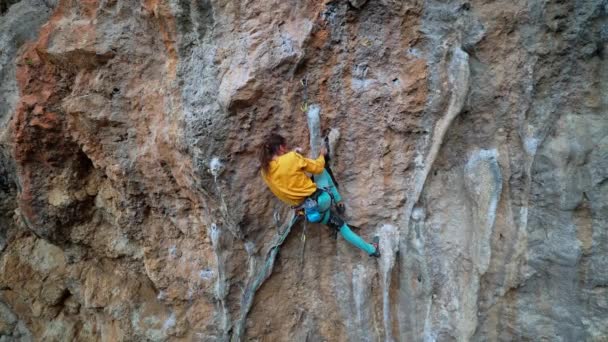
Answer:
(474, 141)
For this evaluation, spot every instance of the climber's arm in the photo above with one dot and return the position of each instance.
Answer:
(314, 166)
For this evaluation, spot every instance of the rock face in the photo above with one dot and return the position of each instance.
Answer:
(474, 142)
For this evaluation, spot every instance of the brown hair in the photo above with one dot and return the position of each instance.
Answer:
(269, 148)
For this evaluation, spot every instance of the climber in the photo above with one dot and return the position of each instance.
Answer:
(285, 173)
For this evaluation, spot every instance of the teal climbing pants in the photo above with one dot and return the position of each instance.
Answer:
(356, 240)
(323, 181)
(331, 219)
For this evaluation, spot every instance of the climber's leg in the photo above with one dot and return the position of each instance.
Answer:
(330, 141)
(323, 180)
(324, 201)
(356, 240)
(335, 222)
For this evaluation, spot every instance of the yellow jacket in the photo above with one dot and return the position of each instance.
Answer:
(287, 179)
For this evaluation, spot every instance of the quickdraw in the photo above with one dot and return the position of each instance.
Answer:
(304, 105)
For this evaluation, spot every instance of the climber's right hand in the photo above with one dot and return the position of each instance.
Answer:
(323, 151)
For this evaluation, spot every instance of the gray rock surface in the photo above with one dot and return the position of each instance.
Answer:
(19, 23)
(473, 141)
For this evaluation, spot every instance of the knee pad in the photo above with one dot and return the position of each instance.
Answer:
(335, 221)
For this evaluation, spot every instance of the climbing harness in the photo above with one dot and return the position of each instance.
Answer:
(311, 211)
(310, 207)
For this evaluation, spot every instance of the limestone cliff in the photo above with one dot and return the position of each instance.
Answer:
(474, 141)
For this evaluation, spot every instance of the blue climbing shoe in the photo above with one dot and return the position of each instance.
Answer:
(376, 244)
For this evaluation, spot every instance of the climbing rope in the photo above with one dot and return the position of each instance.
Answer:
(303, 244)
